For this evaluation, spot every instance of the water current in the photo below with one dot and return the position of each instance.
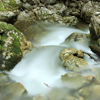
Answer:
(41, 68)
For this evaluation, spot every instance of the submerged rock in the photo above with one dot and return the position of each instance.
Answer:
(9, 9)
(96, 72)
(12, 90)
(74, 81)
(40, 97)
(73, 59)
(79, 37)
(62, 94)
(12, 46)
(4, 79)
(9, 89)
(30, 29)
(90, 92)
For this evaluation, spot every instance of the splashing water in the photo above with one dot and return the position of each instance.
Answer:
(41, 68)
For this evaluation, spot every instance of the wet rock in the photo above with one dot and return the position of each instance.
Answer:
(9, 10)
(95, 33)
(40, 97)
(75, 81)
(73, 59)
(13, 45)
(12, 90)
(48, 15)
(4, 79)
(94, 26)
(75, 6)
(62, 94)
(79, 37)
(48, 1)
(88, 10)
(26, 16)
(29, 1)
(51, 14)
(90, 92)
(58, 8)
(96, 72)
(30, 29)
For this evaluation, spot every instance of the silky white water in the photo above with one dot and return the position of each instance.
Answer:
(40, 70)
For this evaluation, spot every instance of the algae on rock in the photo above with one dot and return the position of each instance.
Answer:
(12, 46)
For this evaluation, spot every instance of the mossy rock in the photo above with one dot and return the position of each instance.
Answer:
(10, 5)
(12, 44)
(9, 9)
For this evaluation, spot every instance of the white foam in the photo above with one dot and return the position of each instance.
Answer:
(42, 65)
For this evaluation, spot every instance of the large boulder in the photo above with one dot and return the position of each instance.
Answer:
(13, 45)
(9, 9)
(72, 59)
(95, 33)
(78, 37)
(88, 10)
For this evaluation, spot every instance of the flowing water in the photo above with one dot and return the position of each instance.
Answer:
(41, 68)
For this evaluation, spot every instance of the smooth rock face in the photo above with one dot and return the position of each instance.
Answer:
(12, 46)
(72, 59)
(9, 9)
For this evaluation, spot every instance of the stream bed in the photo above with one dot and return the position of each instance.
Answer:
(40, 70)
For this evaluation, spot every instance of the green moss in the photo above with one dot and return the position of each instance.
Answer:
(0, 48)
(3, 38)
(61, 5)
(2, 7)
(13, 3)
(17, 54)
(11, 62)
(44, 14)
(16, 46)
(13, 49)
(9, 6)
(7, 27)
